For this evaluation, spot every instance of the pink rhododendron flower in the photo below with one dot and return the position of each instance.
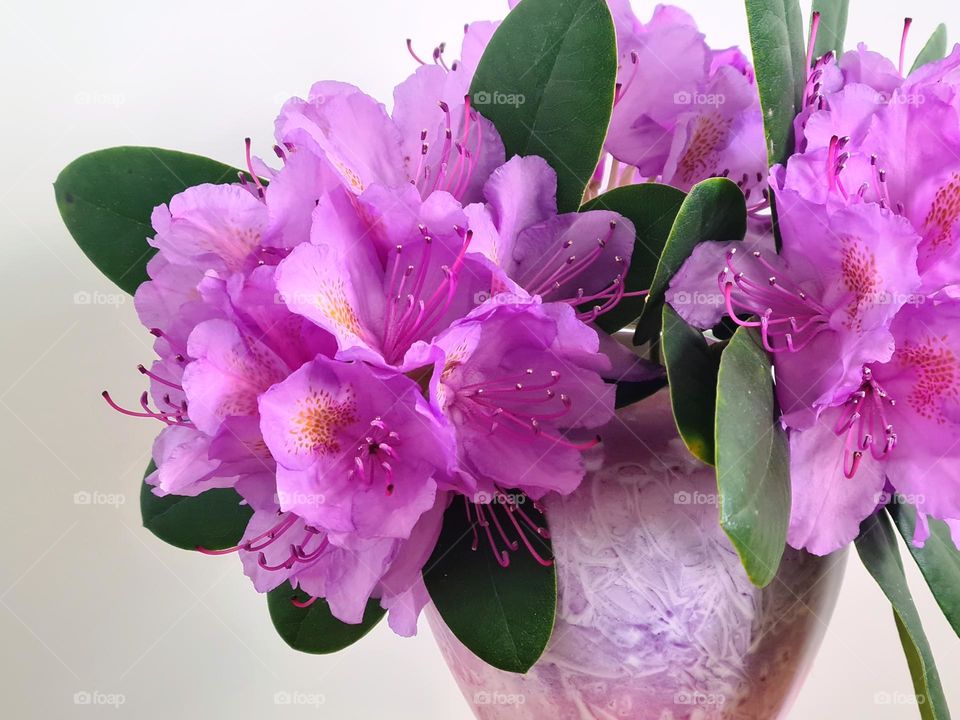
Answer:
(577, 258)
(683, 111)
(823, 306)
(511, 378)
(290, 317)
(858, 309)
(433, 140)
(385, 271)
(899, 427)
(358, 449)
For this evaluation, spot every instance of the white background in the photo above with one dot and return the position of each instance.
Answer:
(89, 601)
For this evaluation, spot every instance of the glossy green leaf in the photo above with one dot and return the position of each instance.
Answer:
(547, 82)
(106, 198)
(935, 49)
(938, 559)
(314, 629)
(833, 26)
(877, 546)
(692, 368)
(652, 208)
(753, 467)
(779, 60)
(503, 615)
(915, 665)
(214, 520)
(629, 393)
(714, 209)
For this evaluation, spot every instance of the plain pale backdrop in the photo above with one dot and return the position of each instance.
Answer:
(92, 607)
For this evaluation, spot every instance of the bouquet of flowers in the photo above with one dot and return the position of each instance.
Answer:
(381, 350)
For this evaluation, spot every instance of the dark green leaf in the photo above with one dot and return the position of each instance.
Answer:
(779, 60)
(915, 665)
(629, 393)
(214, 520)
(935, 49)
(547, 82)
(106, 198)
(314, 629)
(503, 615)
(833, 26)
(652, 208)
(938, 559)
(692, 368)
(714, 209)
(877, 546)
(753, 467)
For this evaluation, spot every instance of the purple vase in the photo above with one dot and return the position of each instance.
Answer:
(656, 619)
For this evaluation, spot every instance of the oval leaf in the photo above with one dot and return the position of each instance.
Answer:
(214, 520)
(314, 629)
(106, 198)
(652, 208)
(692, 368)
(714, 209)
(938, 559)
(779, 60)
(547, 81)
(503, 615)
(833, 26)
(753, 468)
(935, 49)
(628, 392)
(877, 546)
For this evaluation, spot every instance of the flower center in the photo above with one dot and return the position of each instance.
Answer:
(789, 319)
(319, 419)
(555, 279)
(412, 309)
(453, 170)
(864, 419)
(521, 404)
(375, 454)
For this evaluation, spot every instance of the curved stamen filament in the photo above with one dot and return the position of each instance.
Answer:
(863, 419)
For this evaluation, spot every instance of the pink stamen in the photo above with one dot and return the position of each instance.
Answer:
(256, 179)
(907, 22)
(412, 53)
(814, 27)
(152, 376)
(303, 603)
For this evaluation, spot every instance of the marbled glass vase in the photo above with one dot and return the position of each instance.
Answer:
(656, 618)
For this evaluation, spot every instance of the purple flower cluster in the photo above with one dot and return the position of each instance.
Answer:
(396, 316)
(860, 309)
